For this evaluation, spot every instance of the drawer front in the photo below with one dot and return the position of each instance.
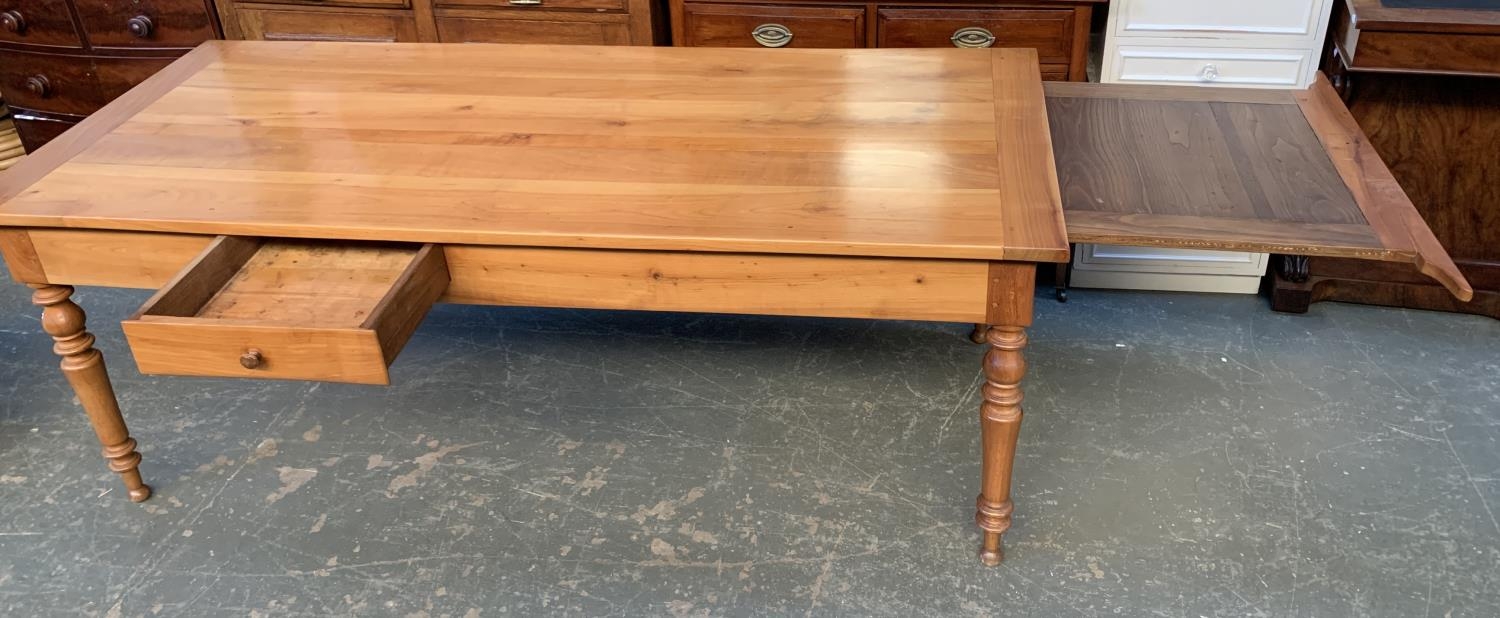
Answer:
(743, 25)
(536, 28)
(1220, 67)
(1165, 260)
(288, 310)
(1288, 18)
(38, 22)
(1049, 32)
(372, 4)
(117, 75)
(294, 25)
(146, 23)
(536, 5)
(47, 83)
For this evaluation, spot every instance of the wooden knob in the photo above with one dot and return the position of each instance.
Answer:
(251, 359)
(39, 86)
(12, 21)
(140, 26)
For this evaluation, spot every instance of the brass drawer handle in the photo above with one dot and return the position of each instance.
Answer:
(525, 2)
(772, 35)
(13, 22)
(39, 85)
(252, 359)
(972, 37)
(140, 26)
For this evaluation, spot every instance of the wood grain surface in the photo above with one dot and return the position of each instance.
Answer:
(1390, 212)
(1275, 172)
(895, 153)
(304, 310)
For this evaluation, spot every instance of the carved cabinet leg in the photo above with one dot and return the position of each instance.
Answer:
(83, 365)
(1011, 291)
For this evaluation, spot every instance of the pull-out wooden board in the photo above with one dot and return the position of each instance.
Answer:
(1242, 170)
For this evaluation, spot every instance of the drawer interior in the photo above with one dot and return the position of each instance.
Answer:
(289, 309)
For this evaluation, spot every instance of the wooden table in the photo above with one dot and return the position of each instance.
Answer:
(300, 206)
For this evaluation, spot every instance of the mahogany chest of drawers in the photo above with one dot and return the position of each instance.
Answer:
(1057, 29)
(62, 59)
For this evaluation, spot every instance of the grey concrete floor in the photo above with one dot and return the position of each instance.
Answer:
(1183, 455)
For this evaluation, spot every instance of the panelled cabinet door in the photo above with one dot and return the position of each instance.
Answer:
(550, 28)
(304, 25)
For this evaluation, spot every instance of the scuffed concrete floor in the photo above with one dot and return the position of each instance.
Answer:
(1182, 456)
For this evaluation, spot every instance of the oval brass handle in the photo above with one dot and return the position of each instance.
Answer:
(973, 37)
(252, 359)
(39, 85)
(772, 35)
(12, 21)
(1210, 72)
(140, 26)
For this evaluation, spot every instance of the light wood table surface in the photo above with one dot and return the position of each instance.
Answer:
(301, 206)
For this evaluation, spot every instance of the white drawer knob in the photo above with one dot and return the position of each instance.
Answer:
(1209, 73)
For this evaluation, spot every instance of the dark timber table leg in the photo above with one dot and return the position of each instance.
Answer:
(1011, 290)
(84, 367)
(978, 335)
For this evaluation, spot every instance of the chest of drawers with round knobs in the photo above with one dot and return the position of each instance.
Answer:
(61, 60)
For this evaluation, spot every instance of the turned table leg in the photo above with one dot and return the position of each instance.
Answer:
(84, 367)
(978, 335)
(1000, 411)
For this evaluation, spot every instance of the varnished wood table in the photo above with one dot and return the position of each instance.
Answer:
(301, 206)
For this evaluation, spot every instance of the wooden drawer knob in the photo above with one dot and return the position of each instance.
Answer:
(39, 85)
(140, 26)
(252, 359)
(973, 37)
(12, 21)
(772, 35)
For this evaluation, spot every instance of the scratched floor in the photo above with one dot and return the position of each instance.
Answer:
(1183, 456)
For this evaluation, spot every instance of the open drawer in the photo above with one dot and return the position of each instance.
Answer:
(289, 310)
(1265, 171)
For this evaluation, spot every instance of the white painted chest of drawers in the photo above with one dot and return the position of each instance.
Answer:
(1233, 43)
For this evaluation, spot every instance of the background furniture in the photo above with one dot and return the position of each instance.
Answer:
(583, 22)
(62, 59)
(1057, 29)
(1425, 86)
(10, 142)
(1261, 44)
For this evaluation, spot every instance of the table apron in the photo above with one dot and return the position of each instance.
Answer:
(759, 284)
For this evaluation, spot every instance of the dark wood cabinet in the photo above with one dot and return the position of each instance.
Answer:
(1425, 87)
(1057, 29)
(60, 60)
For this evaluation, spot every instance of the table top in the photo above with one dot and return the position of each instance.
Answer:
(934, 153)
